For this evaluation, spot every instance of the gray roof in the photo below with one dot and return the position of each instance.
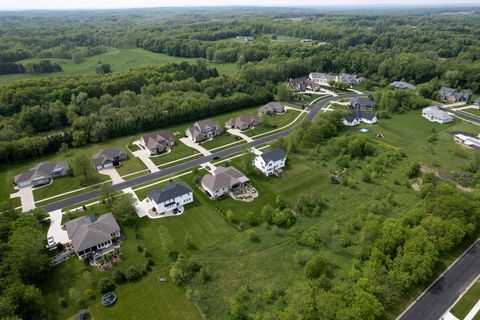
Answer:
(436, 112)
(105, 155)
(448, 90)
(363, 101)
(170, 192)
(273, 155)
(402, 85)
(43, 169)
(153, 139)
(244, 119)
(272, 107)
(86, 232)
(203, 124)
(195, 133)
(357, 114)
(223, 178)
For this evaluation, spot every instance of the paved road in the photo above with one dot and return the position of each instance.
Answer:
(438, 298)
(463, 115)
(315, 109)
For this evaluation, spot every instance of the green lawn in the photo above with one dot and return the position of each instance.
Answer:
(466, 303)
(274, 122)
(179, 151)
(220, 141)
(475, 112)
(119, 59)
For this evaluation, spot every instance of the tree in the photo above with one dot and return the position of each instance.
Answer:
(123, 207)
(316, 267)
(103, 68)
(105, 285)
(132, 273)
(83, 166)
(118, 276)
(284, 91)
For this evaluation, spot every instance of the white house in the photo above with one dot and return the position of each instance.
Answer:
(358, 116)
(270, 162)
(434, 114)
(170, 198)
(322, 78)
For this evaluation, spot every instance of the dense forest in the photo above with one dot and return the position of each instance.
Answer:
(430, 50)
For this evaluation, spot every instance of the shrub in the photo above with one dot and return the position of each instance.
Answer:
(139, 248)
(118, 276)
(132, 273)
(150, 261)
(146, 253)
(105, 285)
(253, 236)
(62, 302)
(316, 267)
(88, 293)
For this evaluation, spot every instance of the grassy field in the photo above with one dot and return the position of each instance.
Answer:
(220, 141)
(179, 151)
(119, 59)
(466, 303)
(475, 112)
(275, 122)
(226, 251)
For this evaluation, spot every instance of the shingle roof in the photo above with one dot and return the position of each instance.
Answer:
(272, 107)
(202, 124)
(363, 101)
(86, 232)
(153, 139)
(238, 121)
(43, 169)
(402, 85)
(223, 178)
(434, 111)
(170, 192)
(107, 155)
(273, 155)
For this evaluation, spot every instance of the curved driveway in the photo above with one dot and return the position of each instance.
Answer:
(315, 109)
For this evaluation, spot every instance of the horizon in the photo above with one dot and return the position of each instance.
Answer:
(58, 5)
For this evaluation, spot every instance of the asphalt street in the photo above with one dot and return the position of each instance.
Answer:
(315, 109)
(438, 298)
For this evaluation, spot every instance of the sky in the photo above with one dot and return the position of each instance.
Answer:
(107, 4)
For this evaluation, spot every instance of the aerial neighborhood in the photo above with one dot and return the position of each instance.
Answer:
(240, 163)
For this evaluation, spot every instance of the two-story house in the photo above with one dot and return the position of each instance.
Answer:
(243, 122)
(271, 161)
(203, 130)
(171, 198)
(158, 142)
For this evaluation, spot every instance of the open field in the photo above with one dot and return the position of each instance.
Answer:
(222, 247)
(119, 59)
(466, 303)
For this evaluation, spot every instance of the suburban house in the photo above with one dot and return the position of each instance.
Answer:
(202, 130)
(158, 142)
(349, 78)
(43, 173)
(90, 234)
(322, 78)
(271, 162)
(401, 85)
(108, 158)
(246, 38)
(357, 116)
(477, 102)
(170, 198)
(362, 104)
(435, 114)
(451, 95)
(467, 141)
(303, 84)
(243, 122)
(272, 108)
(222, 181)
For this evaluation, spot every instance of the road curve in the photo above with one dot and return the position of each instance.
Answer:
(315, 109)
(440, 296)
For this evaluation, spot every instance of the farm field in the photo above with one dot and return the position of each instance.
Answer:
(119, 59)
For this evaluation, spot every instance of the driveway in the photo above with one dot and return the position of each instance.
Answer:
(144, 156)
(238, 133)
(113, 174)
(189, 143)
(55, 229)
(26, 197)
(141, 207)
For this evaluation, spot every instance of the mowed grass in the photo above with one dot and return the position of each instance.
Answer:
(179, 151)
(275, 122)
(410, 131)
(119, 59)
(466, 303)
(220, 141)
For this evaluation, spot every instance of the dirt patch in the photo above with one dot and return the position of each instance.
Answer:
(444, 177)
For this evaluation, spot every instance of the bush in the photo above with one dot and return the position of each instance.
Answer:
(118, 276)
(316, 267)
(150, 261)
(146, 253)
(139, 248)
(62, 302)
(88, 293)
(105, 285)
(253, 236)
(132, 273)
